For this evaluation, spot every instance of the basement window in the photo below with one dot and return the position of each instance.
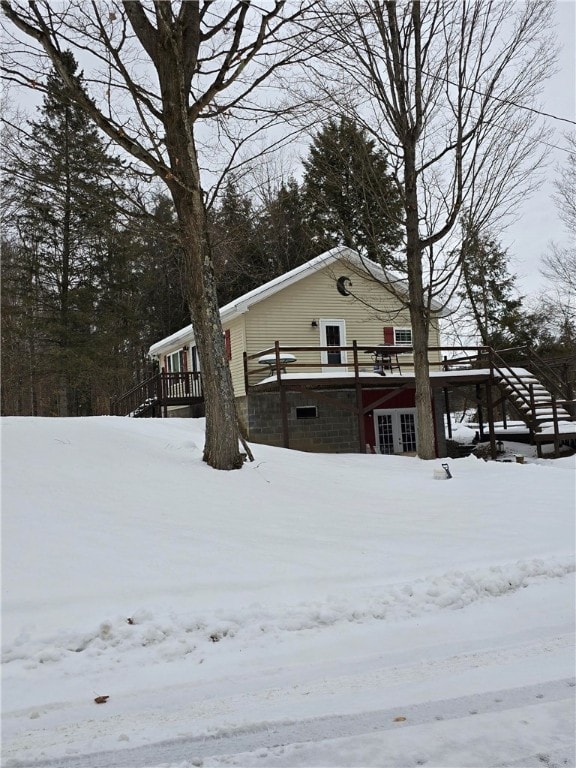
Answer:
(306, 412)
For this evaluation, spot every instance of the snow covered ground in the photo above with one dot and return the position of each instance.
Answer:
(308, 610)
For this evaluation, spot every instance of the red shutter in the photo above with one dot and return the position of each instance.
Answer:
(389, 336)
(167, 364)
(228, 344)
(183, 360)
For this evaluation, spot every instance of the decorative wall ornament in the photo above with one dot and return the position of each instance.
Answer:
(341, 284)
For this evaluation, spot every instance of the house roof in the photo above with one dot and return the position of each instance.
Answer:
(243, 303)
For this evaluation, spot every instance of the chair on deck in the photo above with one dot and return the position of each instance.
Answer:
(386, 360)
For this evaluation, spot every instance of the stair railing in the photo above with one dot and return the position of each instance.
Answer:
(523, 392)
(142, 396)
(157, 391)
(544, 372)
(549, 377)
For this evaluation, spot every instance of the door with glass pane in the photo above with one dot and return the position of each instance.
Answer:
(395, 430)
(332, 334)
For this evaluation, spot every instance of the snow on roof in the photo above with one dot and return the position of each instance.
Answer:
(243, 303)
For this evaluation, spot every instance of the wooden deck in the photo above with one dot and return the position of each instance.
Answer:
(283, 369)
(153, 396)
(391, 368)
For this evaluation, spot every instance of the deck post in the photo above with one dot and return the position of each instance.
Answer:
(359, 404)
(158, 407)
(245, 364)
(556, 427)
(447, 412)
(480, 413)
(447, 400)
(283, 403)
(533, 424)
(490, 407)
(163, 396)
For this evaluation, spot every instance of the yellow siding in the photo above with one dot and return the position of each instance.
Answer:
(287, 315)
(238, 343)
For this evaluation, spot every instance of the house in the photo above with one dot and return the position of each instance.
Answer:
(321, 360)
(321, 316)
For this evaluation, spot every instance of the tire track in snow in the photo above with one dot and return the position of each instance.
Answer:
(270, 735)
(430, 668)
(382, 676)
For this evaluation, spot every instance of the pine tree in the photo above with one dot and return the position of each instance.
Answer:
(488, 288)
(283, 230)
(19, 392)
(162, 307)
(351, 196)
(65, 185)
(239, 263)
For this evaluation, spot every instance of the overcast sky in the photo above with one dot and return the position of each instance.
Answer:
(528, 239)
(538, 222)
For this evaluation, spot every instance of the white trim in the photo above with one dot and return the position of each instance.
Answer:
(395, 414)
(237, 307)
(174, 356)
(341, 324)
(402, 343)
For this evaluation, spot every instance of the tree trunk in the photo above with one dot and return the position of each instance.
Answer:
(426, 441)
(221, 449)
(64, 320)
(419, 315)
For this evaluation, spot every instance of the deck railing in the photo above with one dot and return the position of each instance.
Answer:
(359, 359)
(152, 396)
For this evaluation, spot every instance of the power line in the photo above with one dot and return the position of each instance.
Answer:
(497, 98)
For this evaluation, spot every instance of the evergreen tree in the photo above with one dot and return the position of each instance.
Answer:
(162, 307)
(488, 288)
(283, 230)
(238, 260)
(351, 196)
(18, 385)
(65, 185)
(256, 243)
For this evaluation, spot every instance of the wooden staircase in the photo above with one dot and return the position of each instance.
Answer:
(543, 401)
(152, 397)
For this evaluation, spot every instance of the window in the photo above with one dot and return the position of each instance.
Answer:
(228, 344)
(306, 412)
(403, 337)
(333, 340)
(173, 362)
(195, 359)
(176, 361)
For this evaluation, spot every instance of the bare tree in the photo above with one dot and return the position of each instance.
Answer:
(156, 73)
(560, 264)
(566, 185)
(557, 303)
(560, 268)
(447, 88)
